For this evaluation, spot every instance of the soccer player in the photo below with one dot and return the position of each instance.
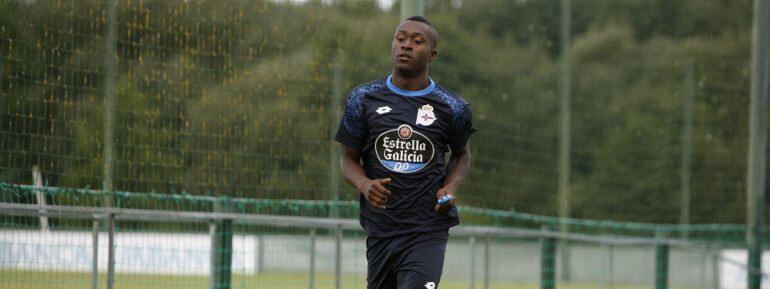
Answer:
(395, 133)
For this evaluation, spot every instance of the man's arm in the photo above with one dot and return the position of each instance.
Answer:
(374, 190)
(457, 169)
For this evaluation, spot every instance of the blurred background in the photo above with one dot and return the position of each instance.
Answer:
(241, 98)
(641, 107)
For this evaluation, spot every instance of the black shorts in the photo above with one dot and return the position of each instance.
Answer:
(412, 261)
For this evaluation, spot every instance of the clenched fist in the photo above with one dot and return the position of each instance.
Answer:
(375, 192)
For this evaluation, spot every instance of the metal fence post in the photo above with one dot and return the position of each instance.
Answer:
(608, 270)
(661, 261)
(111, 253)
(212, 264)
(757, 152)
(547, 261)
(715, 267)
(487, 241)
(260, 254)
(312, 258)
(334, 155)
(686, 169)
(37, 181)
(565, 111)
(338, 258)
(95, 255)
(222, 247)
(110, 75)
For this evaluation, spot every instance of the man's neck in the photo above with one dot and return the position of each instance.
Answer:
(419, 82)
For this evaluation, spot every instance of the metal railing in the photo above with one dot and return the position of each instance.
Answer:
(221, 251)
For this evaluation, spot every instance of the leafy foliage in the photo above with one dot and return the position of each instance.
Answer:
(242, 99)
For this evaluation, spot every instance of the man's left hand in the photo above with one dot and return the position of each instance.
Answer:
(440, 193)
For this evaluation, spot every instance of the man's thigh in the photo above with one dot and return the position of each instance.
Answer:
(413, 261)
(381, 258)
(423, 263)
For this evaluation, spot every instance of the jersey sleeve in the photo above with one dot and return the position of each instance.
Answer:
(462, 127)
(352, 131)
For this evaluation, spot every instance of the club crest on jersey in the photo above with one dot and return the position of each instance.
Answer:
(404, 150)
(425, 115)
(404, 132)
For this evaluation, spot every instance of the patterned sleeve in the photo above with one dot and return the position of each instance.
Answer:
(352, 130)
(462, 127)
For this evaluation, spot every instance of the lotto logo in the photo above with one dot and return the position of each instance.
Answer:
(430, 285)
(384, 109)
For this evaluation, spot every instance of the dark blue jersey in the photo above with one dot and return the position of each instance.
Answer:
(405, 136)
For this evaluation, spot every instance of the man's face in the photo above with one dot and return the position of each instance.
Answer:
(413, 47)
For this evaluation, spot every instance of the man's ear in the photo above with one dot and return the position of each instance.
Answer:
(433, 55)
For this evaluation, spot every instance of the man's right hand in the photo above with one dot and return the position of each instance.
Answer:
(375, 192)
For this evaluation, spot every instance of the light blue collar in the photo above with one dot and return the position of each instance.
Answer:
(421, 92)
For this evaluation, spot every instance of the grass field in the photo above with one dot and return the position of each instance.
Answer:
(20, 279)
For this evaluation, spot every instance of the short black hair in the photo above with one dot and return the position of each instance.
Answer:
(421, 19)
